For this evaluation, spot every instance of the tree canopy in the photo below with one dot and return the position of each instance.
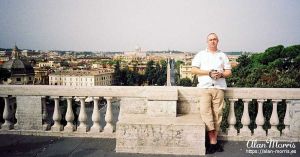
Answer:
(277, 67)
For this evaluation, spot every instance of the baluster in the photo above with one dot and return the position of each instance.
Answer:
(245, 131)
(108, 116)
(260, 120)
(46, 124)
(96, 117)
(287, 119)
(69, 116)
(274, 121)
(231, 131)
(7, 115)
(82, 116)
(56, 116)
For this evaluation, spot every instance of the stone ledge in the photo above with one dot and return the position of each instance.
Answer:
(258, 138)
(182, 135)
(59, 134)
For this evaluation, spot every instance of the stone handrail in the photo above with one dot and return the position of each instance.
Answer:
(30, 99)
(291, 96)
(136, 106)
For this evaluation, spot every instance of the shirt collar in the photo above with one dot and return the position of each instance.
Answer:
(216, 51)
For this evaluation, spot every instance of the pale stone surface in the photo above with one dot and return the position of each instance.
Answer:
(188, 105)
(29, 109)
(69, 116)
(7, 115)
(96, 117)
(231, 131)
(56, 127)
(82, 118)
(133, 105)
(295, 120)
(187, 102)
(260, 120)
(161, 108)
(109, 128)
(245, 131)
(142, 134)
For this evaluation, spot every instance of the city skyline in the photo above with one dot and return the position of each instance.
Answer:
(117, 25)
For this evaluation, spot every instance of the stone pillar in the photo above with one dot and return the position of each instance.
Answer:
(260, 120)
(69, 116)
(109, 128)
(245, 131)
(46, 123)
(96, 117)
(231, 131)
(82, 116)
(274, 121)
(168, 73)
(287, 119)
(7, 113)
(56, 116)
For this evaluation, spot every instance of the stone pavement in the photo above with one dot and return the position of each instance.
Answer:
(43, 146)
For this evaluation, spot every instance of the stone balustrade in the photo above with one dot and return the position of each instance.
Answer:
(144, 119)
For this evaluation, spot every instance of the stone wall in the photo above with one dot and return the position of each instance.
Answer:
(29, 113)
(152, 125)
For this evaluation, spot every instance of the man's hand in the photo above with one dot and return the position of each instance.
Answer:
(216, 75)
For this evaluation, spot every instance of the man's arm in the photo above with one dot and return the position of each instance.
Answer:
(227, 73)
(199, 72)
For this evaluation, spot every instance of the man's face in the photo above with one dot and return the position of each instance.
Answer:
(212, 41)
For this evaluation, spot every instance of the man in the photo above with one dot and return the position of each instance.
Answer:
(212, 67)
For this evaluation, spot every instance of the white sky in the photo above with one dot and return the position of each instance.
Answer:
(120, 25)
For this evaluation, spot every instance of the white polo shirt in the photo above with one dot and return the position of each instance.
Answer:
(205, 60)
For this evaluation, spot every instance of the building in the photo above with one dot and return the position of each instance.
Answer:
(48, 64)
(129, 56)
(41, 76)
(21, 72)
(102, 77)
(185, 71)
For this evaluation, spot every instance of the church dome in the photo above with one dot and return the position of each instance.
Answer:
(18, 66)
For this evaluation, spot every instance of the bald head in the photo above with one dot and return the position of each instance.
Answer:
(212, 42)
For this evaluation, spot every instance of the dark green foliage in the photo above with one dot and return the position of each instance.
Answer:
(277, 67)
(117, 74)
(177, 69)
(4, 74)
(155, 74)
(150, 72)
(186, 82)
(195, 81)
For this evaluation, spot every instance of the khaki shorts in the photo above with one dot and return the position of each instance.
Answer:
(211, 108)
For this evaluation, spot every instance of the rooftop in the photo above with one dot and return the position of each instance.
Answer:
(82, 72)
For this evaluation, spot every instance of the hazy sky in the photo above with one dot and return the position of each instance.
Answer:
(120, 25)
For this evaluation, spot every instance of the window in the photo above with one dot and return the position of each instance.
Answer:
(18, 79)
